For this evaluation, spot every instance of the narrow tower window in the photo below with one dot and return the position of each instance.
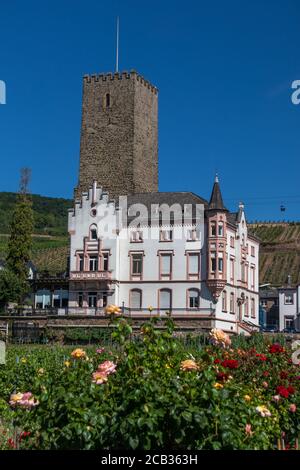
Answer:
(213, 229)
(107, 100)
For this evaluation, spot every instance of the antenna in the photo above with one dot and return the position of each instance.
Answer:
(117, 52)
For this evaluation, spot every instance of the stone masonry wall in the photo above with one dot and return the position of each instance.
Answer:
(118, 146)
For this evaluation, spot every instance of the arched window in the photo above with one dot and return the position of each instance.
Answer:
(247, 307)
(224, 301)
(135, 299)
(232, 302)
(107, 100)
(253, 308)
(165, 299)
(93, 232)
(193, 298)
(221, 229)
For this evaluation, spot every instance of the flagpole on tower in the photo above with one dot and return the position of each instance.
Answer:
(117, 51)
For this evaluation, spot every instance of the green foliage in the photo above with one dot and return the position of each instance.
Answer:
(50, 214)
(11, 288)
(151, 401)
(87, 335)
(20, 240)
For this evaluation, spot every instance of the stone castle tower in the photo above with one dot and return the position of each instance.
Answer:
(119, 130)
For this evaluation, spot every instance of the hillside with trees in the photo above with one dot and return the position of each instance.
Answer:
(50, 243)
(50, 214)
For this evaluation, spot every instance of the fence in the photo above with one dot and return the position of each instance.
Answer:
(29, 333)
(23, 333)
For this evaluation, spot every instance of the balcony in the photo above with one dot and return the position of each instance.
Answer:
(90, 275)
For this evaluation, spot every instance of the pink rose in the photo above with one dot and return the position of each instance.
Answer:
(27, 396)
(107, 367)
(248, 429)
(99, 378)
(293, 408)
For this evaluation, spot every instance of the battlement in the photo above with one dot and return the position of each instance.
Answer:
(132, 75)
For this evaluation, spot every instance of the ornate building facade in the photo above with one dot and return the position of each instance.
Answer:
(204, 267)
(146, 251)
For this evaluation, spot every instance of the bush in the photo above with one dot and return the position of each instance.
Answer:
(154, 393)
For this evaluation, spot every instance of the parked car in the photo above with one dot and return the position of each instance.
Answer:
(270, 329)
(290, 330)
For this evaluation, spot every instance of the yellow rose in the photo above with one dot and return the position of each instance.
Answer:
(78, 353)
(218, 385)
(16, 397)
(247, 397)
(113, 309)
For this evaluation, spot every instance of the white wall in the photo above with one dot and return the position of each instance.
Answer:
(287, 310)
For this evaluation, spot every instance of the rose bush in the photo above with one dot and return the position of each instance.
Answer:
(151, 392)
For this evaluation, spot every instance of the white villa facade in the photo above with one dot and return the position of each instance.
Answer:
(289, 307)
(154, 253)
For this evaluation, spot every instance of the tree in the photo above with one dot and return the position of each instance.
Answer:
(11, 289)
(20, 241)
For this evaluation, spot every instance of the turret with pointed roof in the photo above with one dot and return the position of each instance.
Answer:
(216, 242)
(216, 200)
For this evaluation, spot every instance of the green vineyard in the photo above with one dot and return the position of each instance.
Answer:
(279, 252)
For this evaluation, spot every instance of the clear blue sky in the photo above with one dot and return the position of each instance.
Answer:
(224, 71)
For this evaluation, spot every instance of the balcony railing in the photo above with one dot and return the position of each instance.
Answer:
(172, 312)
(90, 275)
(100, 311)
